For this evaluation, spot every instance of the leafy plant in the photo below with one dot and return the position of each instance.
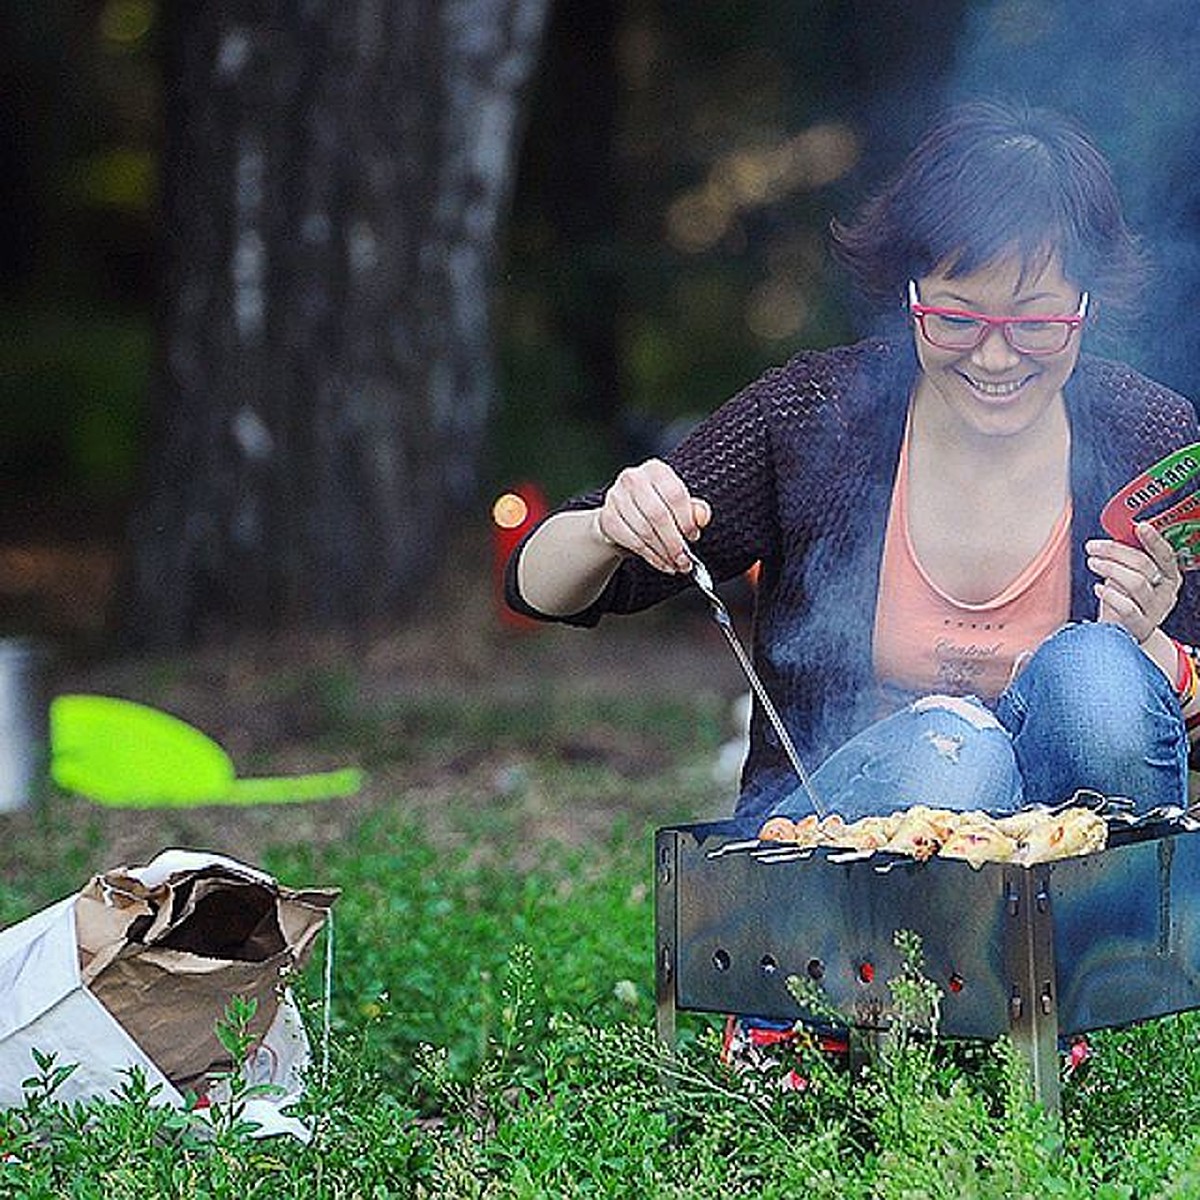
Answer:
(224, 1108)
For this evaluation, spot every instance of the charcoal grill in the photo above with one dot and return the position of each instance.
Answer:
(1038, 953)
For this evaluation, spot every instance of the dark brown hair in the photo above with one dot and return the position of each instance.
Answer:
(987, 181)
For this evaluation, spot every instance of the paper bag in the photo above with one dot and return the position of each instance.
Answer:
(139, 967)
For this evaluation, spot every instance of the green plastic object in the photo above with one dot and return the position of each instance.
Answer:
(128, 755)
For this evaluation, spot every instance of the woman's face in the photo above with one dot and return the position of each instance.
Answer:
(994, 389)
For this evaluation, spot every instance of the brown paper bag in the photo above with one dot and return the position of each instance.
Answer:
(165, 948)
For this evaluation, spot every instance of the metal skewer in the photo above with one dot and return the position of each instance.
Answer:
(704, 581)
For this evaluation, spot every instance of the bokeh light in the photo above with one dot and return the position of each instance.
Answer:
(510, 511)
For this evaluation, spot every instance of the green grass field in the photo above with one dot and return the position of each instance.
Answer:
(492, 1002)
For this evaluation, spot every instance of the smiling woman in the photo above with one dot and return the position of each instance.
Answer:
(925, 509)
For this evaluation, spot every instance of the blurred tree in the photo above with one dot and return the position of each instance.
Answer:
(332, 180)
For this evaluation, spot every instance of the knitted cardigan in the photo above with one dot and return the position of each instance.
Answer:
(799, 468)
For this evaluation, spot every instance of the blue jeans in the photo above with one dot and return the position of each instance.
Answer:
(1090, 710)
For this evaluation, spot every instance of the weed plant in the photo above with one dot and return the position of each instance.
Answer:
(492, 1036)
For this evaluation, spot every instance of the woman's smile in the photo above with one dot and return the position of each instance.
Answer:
(996, 390)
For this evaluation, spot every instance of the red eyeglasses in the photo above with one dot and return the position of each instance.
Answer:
(962, 330)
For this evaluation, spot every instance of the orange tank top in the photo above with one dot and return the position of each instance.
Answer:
(926, 641)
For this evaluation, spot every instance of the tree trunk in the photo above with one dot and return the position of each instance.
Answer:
(332, 183)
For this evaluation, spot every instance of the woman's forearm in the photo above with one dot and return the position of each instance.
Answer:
(566, 564)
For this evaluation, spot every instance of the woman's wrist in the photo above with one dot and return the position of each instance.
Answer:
(601, 537)
(1172, 660)
(1163, 651)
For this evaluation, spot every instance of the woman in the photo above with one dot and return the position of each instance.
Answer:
(939, 617)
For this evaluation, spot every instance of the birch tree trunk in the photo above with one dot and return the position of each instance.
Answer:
(334, 176)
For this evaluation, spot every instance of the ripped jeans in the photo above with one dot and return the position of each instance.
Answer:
(1090, 710)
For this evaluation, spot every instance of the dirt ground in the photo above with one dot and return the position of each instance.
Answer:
(262, 701)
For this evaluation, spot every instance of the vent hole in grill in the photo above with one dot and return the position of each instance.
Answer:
(768, 965)
(721, 960)
(815, 969)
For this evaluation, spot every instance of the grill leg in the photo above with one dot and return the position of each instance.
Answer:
(664, 1017)
(665, 875)
(1033, 981)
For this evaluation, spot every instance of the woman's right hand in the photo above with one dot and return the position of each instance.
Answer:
(649, 512)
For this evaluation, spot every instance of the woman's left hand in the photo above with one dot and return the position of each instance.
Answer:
(1138, 586)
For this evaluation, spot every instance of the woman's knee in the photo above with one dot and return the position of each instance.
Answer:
(945, 751)
(960, 734)
(1093, 711)
(1095, 676)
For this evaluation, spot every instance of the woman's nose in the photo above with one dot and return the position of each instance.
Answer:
(995, 353)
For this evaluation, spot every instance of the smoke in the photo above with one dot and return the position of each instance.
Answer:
(1127, 73)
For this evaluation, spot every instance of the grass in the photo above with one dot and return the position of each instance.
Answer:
(493, 1024)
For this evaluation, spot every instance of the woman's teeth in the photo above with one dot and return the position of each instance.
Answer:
(996, 389)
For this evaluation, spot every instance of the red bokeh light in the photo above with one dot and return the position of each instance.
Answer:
(514, 514)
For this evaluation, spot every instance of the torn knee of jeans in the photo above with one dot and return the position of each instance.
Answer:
(971, 711)
(946, 745)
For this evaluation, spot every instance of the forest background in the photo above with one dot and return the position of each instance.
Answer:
(657, 194)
